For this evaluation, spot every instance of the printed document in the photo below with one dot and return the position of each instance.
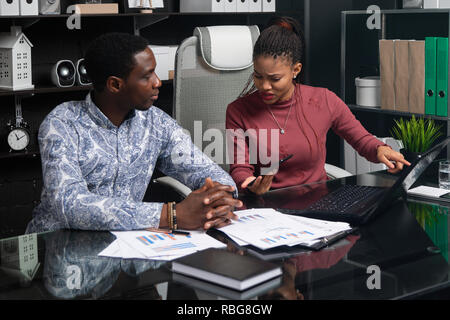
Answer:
(268, 228)
(144, 244)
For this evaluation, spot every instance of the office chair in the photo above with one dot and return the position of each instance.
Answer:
(211, 69)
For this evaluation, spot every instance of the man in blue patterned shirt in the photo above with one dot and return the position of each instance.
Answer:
(98, 155)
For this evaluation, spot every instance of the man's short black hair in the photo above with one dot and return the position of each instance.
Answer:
(112, 54)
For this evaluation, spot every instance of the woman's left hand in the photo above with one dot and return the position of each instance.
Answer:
(392, 159)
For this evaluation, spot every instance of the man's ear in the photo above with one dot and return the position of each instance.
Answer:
(114, 84)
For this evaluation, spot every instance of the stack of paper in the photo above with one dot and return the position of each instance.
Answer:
(428, 192)
(268, 228)
(158, 246)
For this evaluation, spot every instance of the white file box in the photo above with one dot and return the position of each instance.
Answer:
(268, 5)
(254, 6)
(242, 5)
(202, 5)
(171, 57)
(444, 4)
(29, 7)
(230, 6)
(161, 54)
(9, 9)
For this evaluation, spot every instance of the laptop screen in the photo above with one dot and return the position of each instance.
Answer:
(409, 175)
(413, 172)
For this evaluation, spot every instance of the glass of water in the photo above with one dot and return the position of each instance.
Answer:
(444, 174)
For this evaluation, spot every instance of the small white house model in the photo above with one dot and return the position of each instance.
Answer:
(15, 60)
(19, 257)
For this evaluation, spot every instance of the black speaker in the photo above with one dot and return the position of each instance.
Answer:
(63, 73)
(82, 76)
(49, 6)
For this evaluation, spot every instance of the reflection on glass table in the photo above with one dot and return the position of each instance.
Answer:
(434, 219)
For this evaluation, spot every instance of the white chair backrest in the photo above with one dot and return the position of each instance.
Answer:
(211, 69)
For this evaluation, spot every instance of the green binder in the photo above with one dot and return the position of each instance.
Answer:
(442, 77)
(430, 75)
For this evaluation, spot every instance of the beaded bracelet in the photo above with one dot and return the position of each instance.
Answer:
(174, 217)
(169, 216)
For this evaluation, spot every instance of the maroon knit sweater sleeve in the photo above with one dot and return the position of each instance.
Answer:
(349, 128)
(315, 111)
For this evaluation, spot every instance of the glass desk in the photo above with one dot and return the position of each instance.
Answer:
(402, 254)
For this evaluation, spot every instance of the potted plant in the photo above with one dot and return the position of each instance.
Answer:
(416, 134)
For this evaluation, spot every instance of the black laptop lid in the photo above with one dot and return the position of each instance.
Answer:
(419, 166)
(411, 173)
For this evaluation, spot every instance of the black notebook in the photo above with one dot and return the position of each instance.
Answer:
(226, 268)
(223, 292)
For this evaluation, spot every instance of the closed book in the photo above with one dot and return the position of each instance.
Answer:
(401, 75)
(217, 290)
(441, 76)
(387, 74)
(430, 75)
(416, 77)
(226, 268)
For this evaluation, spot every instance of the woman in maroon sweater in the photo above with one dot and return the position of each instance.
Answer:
(281, 116)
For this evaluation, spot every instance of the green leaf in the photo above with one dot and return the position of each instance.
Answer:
(417, 134)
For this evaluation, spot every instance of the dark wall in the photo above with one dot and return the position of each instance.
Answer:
(325, 38)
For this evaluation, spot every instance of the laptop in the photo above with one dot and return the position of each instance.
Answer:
(358, 204)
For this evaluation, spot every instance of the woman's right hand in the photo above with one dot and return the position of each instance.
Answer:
(261, 185)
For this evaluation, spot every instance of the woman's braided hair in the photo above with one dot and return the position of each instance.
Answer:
(283, 38)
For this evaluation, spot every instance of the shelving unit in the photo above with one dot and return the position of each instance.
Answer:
(356, 108)
(53, 89)
(360, 57)
(161, 28)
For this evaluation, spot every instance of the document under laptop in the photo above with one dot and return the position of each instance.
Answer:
(358, 204)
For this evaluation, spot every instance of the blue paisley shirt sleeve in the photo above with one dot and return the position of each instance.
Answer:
(96, 174)
(184, 161)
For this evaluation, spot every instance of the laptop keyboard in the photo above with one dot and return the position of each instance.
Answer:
(344, 198)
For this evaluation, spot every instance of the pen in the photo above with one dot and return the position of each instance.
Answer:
(287, 158)
(333, 237)
(159, 230)
(184, 233)
(336, 236)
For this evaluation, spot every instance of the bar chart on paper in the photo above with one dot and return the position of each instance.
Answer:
(267, 228)
(162, 238)
(153, 245)
(282, 238)
(250, 218)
